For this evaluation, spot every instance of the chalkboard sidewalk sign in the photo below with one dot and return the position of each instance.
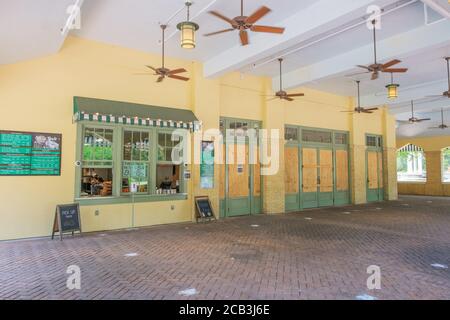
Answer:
(67, 220)
(205, 212)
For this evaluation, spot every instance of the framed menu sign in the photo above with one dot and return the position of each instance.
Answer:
(30, 154)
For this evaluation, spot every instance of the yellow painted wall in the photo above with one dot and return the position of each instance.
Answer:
(433, 186)
(37, 96)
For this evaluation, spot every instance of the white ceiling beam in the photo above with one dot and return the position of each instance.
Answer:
(74, 12)
(312, 21)
(438, 8)
(424, 107)
(399, 46)
(418, 92)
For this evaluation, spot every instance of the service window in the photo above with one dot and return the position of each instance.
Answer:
(97, 163)
(136, 161)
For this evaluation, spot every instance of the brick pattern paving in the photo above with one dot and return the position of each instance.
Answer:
(286, 257)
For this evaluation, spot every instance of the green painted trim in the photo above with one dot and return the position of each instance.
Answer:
(128, 199)
(374, 195)
(118, 133)
(255, 205)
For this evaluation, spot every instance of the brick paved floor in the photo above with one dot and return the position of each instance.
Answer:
(286, 257)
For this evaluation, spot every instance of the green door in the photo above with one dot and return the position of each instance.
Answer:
(240, 185)
(317, 178)
(374, 165)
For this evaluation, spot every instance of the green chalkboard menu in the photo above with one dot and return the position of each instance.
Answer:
(30, 154)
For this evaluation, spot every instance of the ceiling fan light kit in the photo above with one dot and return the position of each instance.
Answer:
(392, 89)
(187, 30)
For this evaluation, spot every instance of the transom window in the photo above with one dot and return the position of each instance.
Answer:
(290, 134)
(341, 138)
(316, 136)
(411, 164)
(374, 141)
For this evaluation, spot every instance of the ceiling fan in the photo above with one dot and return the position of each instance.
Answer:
(360, 109)
(446, 94)
(283, 95)
(413, 118)
(244, 23)
(163, 72)
(376, 68)
(443, 126)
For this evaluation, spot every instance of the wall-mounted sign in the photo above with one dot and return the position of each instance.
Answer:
(207, 165)
(187, 175)
(240, 169)
(30, 154)
(67, 219)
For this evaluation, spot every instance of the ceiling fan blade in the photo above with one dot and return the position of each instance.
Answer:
(366, 111)
(178, 77)
(220, 16)
(160, 79)
(371, 109)
(364, 67)
(267, 29)
(261, 12)
(421, 120)
(375, 76)
(143, 74)
(390, 64)
(181, 70)
(244, 37)
(399, 70)
(218, 32)
(287, 98)
(295, 95)
(154, 69)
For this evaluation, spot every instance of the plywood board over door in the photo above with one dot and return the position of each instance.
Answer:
(310, 176)
(342, 183)
(291, 170)
(326, 187)
(239, 199)
(309, 170)
(292, 178)
(372, 169)
(342, 177)
(326, 171)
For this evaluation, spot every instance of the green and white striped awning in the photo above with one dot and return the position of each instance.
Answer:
(106, 111)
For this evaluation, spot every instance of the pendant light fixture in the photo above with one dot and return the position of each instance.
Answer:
(392, 89)
(188, 30)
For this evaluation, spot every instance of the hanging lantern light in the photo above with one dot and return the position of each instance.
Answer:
(392, 89)
(188, 30)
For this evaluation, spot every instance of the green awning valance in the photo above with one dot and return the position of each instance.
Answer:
(98, 110)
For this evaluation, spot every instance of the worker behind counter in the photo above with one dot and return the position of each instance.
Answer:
(166, 184)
